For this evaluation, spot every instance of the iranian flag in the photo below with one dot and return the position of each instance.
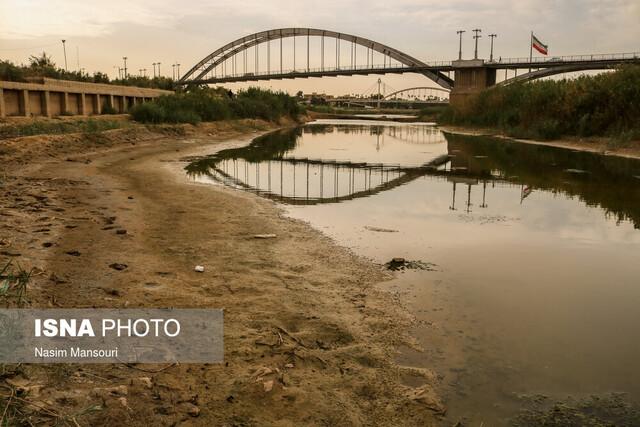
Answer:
(538, 45)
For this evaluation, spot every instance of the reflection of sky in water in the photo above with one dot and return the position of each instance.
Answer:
(547, 286)
(406, 145)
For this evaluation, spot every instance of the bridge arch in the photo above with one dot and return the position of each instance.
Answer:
(409, 89)
(198, 72)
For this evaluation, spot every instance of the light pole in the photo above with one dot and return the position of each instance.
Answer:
(177, 71)
(144, 72)
(459, 32)
(476, 36)
(492, 36)
(173, 71)
(64, 49)
(154, 70)
(158, 69)
(125, 66)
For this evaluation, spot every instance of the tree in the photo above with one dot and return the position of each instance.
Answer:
(42, 61)
(300, 94)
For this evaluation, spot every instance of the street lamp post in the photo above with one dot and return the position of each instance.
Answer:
(177, 71)
(154, 70)
(476, 36)
(459, 32)
(64, 49)
(173, 71)
(158, 69)
(125, 66)
(492, 36)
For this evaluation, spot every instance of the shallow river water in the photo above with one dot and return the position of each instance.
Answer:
(533, 290)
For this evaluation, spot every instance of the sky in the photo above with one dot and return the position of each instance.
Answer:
(100, 33)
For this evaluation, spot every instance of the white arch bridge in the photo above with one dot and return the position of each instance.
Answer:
(289, 53)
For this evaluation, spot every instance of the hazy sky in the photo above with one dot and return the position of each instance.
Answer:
(170, 31)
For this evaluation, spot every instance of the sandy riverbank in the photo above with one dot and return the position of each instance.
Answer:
(308, 339)
(594, 145)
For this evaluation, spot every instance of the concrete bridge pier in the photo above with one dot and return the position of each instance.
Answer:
(471, 77)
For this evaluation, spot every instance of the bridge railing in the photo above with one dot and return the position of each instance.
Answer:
(304, 70)
(570, 58)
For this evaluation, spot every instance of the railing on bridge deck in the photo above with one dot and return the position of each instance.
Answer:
(567, 58)
(318, 70)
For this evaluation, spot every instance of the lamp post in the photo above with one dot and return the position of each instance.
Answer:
(158, 68)
(64, 49)
(459, 32)
(492, 36)
(476, 36)
(154, 70)
(173, 71)
(125, 66)
(177, 71)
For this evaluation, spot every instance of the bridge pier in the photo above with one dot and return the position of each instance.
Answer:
(471, 77)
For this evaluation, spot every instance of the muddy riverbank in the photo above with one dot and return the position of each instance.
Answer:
(604, 146)
(308, 338)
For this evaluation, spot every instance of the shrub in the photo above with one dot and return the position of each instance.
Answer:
(607, 104)
(148, 112)
(205, 104)
(108, 109)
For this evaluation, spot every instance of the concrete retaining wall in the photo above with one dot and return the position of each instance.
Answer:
(49, 98)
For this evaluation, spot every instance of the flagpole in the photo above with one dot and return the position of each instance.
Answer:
(530, 50)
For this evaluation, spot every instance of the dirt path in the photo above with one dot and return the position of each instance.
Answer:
(299, 311)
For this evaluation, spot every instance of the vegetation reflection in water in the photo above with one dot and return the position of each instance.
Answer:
(269, 166)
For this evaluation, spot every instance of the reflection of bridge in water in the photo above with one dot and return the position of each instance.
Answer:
(406, 133)
(472, 167)
(312, 181)
(272, 171)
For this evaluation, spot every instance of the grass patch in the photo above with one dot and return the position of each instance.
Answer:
(606, 104)
(39, 127)
(13, 284)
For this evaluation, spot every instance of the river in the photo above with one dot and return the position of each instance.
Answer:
(528, 285)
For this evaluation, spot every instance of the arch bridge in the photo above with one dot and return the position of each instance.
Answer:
(260, 56)
(418, 89)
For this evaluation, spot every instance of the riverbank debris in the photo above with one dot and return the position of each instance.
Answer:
(576, 171)
(398, 264)
(264, 236)
(380, 229)
(428, 397)
(199, 268)
(118, 266)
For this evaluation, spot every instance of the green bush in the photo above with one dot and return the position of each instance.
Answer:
(606, 104)
(148, 112)
(206, 104)
(108, 109)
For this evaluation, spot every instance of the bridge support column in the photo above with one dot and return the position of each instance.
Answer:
(3, 111)
(46, 104)
(24, 103)
(471, 77)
